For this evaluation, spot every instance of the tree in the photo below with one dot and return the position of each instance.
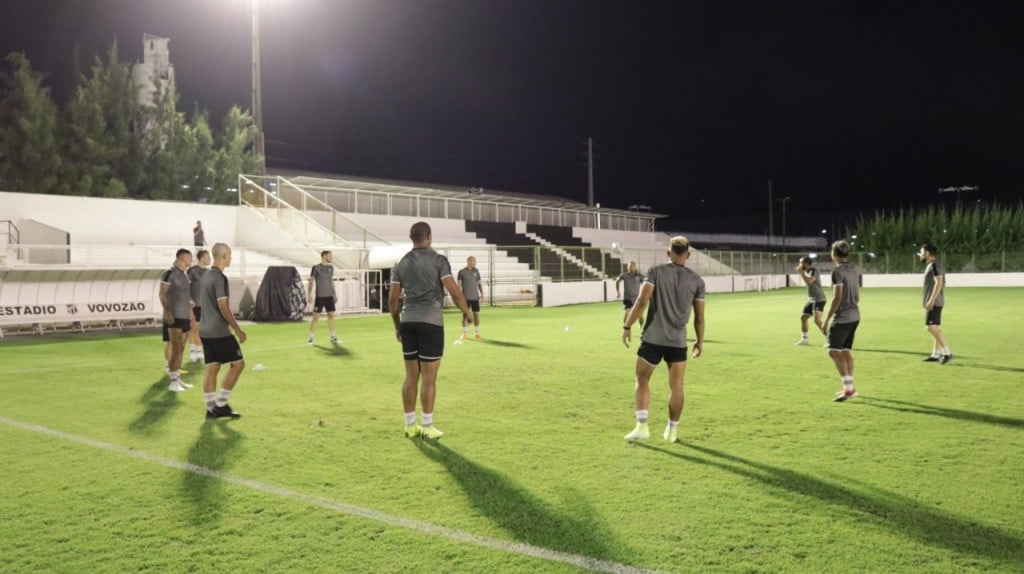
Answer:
(30, 156)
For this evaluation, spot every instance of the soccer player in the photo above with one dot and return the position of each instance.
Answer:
(934, 281)
(219, 346)
(473, 289)
(177, 304)
(672, 290)
(322, 278)
(423, 275)
(815, 297)
(633, 280)
(840, 324)
(195, 274)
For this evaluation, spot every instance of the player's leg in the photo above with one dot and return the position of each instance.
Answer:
(645, 365)
(330, 327)
(312, 323)
(676, 376)
(177, 345)
(428, 392)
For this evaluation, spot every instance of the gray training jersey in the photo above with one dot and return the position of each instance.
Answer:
(195, 274)
(212, 287)
(419, 273)
(814, 290)
(930, 273)
(323, 278)
(632, 282)
(178, 294)
(846, 274)
(469, 280)
(675, 289)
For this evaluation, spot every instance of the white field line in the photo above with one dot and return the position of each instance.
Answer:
(344, 508)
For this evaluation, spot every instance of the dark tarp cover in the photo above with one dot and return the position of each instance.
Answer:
(281, 296)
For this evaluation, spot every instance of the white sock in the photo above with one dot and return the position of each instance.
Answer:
(477, 329)
(641, 417)
(673, 425)
(410, 419)
(803, 336)
(945, 351)
(211, 400)
(428, 419)
(847, 384)
(175, 376)
(223, 398)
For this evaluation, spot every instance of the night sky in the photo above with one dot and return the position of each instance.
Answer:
(692, 106)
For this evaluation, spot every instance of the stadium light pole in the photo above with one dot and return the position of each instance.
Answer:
(257, 95)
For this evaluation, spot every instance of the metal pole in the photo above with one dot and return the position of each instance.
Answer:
(257, 97)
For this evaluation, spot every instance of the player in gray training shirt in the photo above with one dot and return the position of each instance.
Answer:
(215, 328)
(473, 288)
(424, 275)
(669, 293)
(323, 295)
(195, 274)
(815, 297)
(933, 300)
(840, 324)
(177, 303)
(633, 280)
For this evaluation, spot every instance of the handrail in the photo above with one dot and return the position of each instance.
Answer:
(324, 206)
(271, 200)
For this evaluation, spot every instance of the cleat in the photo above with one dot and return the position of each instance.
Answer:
(932, 359)
(309, 341)
(413, 431)
(431, 433)
(670, 434)
(184, 384)
(479, 337)
(640, 432)
(843, 396)
(176, 387)
(219, 412)
(335, 341)
(462, 337)
(945, 359)
(802, 343)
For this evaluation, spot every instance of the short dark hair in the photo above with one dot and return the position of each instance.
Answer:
(325, 253)
(181, 252)
(930, 249)
(841, 248)
(419, 232)
(200, 253)
(806, 259)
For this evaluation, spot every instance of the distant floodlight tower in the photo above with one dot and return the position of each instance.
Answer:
(957, 190)
(258, 144)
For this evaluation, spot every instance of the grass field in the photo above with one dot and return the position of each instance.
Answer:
(103, 470)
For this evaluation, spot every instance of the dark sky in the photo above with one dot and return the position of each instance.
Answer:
(692, 106)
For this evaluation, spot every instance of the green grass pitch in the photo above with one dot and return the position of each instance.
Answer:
(103, 470)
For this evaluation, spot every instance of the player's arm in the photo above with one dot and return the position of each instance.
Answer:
(940, 280)
(698, 326)
(807, 277)
(395, 304)
(225, 311)
(837, 296)
(164, 288)
(312, 282)
(618, 282)
(457, 296)
(636, 311)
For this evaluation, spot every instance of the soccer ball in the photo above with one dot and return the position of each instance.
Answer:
(616, 248)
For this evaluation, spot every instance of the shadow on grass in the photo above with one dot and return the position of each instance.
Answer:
(500, 343)
(957, 414)
(522, 514)
(898, 513)
(159, 403)
(332, 351)
(1000, 368)
(210, 453)
(921, 354)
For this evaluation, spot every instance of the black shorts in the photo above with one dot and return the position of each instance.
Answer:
(323, 304)
(840, 336)
(813, 306)
(184, 324)
(198, 312)
(422, 341)
(933, 317)
(653, 354)
(221, 350)
(474, 305)
(627, 303)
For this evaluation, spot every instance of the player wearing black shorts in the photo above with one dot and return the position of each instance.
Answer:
(323, 295)
(815, 297)
(633, 280)
(195, 274)
(219, 346)
(473, 289)
(843, 317)
(672, 291)
(934, 300)
(424, 275)
(177, 317)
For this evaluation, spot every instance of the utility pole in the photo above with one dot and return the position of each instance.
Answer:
(257, 97)
(590, 172)
(771, 210)
(784, 200)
